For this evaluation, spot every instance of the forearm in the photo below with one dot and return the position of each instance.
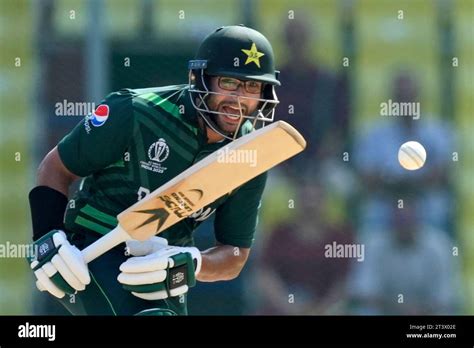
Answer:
(52, 173)
(48, 199)
(222, 262)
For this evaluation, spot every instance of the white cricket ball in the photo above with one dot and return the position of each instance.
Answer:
(412, 155)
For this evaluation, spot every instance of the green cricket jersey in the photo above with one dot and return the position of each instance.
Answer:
(134, 142)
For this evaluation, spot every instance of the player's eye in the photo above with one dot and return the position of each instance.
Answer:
(253, 87)
(229, 84)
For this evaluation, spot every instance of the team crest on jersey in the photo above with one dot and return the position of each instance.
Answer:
(158, 152)
(100, 115)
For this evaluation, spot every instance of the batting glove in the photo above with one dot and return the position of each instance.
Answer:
(167, 271)
(58, 266)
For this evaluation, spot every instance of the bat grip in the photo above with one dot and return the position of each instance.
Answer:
(105, 243)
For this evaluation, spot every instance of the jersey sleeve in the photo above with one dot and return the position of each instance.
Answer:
(101, 138)
(236, 219)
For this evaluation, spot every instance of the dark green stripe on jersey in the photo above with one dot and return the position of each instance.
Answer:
(165, 104)
(91, 225)
(99, 215)
(158, 127)
(172, 123)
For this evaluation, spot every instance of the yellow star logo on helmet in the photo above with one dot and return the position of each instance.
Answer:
(253, 55)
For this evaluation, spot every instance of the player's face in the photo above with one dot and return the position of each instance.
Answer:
(228, 103)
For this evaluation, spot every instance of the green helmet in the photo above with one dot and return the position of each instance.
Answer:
(239, 52)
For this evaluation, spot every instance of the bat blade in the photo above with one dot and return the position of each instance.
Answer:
(201, 184)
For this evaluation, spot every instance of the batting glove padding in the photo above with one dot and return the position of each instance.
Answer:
(146, 247)
(59, 266)
(168, 272)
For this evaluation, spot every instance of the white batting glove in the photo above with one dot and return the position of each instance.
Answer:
(168, 272)
(59, 266)
(147, 247)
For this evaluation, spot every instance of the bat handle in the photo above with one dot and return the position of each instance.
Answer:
(105, 243)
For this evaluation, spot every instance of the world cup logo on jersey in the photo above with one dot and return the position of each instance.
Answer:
(159, 151)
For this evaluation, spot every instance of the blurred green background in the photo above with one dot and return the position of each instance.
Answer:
(43, 60)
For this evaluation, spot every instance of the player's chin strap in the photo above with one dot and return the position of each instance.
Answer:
(265, 113)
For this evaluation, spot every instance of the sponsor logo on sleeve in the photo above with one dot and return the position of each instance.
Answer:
(100, 115)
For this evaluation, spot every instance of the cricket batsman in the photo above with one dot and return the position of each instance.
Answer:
(134, 142)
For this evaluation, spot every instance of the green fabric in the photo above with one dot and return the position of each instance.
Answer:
(181, 259)
(145, 288)
(59, 281)
(191, 271)
(101, 216)
(88, 148)
(161, 102)
(91, 225)
(236, 220)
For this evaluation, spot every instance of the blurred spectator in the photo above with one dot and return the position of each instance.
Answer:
(409, 271)
(376, 160)
(312, 98)
(294, 276)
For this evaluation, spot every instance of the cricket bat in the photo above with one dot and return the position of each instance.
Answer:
(201, 184)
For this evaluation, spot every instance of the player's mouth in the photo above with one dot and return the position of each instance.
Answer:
(232, 113)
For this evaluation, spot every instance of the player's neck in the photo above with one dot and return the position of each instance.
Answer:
(212, 136)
